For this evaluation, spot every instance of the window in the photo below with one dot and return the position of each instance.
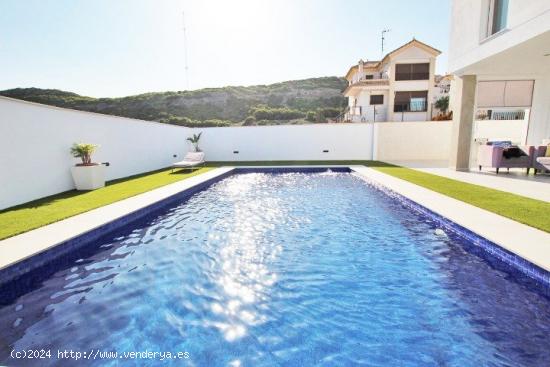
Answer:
(418, 104)
(377, 99)
(412, 71)
(411, 101)
(369, 76)
(498, 14)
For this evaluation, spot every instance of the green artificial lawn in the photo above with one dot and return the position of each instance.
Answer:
(534, 213)
(51, 209)
(37, 213)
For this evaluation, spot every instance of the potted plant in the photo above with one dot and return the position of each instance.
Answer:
(87, 175)
(195, 141)
(442, 104)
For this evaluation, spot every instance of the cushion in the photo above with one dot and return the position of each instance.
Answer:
(503, 144)
(513, 151)
(547, 151)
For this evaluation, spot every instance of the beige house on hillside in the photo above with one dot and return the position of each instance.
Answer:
(400, 87)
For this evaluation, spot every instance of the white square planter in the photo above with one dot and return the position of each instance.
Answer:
(88, 177)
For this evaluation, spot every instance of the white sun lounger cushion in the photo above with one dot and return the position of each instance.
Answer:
(191, 159)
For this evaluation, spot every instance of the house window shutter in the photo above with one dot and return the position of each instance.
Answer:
(415, 101)
(376, 99)
(518, 93)
(412, 71)
(401, 101)
(420, 72)
(490, 94)
(403, 71)
(504, 93)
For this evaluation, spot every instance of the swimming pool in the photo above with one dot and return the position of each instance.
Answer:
(265, 269)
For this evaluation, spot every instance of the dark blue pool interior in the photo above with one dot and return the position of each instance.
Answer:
(523, 280)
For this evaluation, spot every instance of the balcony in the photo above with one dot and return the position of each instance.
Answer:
(373, 113)
(359, 84)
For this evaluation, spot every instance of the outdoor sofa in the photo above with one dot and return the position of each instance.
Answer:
(541, 162)
(505, 156)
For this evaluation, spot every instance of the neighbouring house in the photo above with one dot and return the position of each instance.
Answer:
(400, 87)
(442, 89)
(500, 56)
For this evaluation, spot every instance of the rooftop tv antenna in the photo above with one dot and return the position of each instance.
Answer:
(383, 38)
(185, 52)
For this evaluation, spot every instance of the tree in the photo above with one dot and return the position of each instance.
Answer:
(320, 117)
(249, 121)
(442, 104)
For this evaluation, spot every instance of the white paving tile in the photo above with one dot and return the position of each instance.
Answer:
(535, 187)
(515, 182)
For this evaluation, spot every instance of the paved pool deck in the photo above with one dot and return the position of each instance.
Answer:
(527, 242)
(535, 187)
(516, 182)
(25, 245)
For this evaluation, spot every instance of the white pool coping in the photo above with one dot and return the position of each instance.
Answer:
(28, 244)
(527, 242)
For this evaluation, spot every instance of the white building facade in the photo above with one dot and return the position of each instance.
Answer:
(442, 90)
(398, 88)
(500, 56)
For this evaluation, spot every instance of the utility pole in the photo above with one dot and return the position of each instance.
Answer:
(185, 52)
(384, 31)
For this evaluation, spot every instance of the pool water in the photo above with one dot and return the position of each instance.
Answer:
(294, 269)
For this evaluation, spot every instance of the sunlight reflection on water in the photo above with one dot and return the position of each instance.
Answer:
(246, 256)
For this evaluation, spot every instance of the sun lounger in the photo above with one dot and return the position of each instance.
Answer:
(190, 160)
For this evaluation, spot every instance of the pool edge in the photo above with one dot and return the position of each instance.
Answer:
(49, 245)
(498, 250)
(188, 187)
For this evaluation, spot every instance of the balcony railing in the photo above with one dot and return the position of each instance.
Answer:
(416, 106)
(501, 114)
(371, 82)
(373, 113)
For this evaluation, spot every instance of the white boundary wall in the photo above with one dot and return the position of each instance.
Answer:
(513, 130)
(413, 141)
(382, 141)
(35, 140)
(288, 142)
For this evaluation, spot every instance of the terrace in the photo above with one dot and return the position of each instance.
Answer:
(523, 198)
(387, 240)
(530, 195)
(46, 219)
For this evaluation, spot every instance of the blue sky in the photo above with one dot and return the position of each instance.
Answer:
(106, 48)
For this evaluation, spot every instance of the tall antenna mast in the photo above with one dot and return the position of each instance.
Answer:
(185, 53)
(383, 38)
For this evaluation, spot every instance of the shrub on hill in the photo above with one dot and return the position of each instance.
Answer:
(266, 113)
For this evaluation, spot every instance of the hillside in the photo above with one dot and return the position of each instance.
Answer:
(294, 101)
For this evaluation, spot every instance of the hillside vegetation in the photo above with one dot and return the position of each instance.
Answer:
(291, 102)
